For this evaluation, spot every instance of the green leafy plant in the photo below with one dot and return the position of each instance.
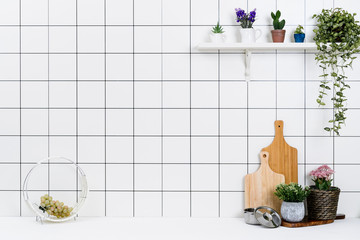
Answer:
(299, 30)
(337, 37)
(217, 29)
(292, 192)
(278, 25)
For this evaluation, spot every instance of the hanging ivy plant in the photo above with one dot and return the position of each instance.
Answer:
(337, 37)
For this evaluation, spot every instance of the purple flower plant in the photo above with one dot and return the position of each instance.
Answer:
(246, 20)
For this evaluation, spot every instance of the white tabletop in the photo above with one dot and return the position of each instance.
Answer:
(168, 228)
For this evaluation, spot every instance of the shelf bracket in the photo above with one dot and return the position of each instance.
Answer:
(247, 65)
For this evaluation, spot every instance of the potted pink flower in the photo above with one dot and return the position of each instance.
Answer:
(323, 199)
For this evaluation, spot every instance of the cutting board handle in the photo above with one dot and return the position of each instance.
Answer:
(279, 128)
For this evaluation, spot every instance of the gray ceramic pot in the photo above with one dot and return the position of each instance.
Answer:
(293, 211)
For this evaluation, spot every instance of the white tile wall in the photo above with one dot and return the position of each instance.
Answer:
(176, 204)
(9, 39)
(160, 128)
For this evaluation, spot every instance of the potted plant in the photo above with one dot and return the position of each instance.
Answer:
(217, 34)
(293, 196)
(337, 37)
(247, 33)
(299, 34)
(323, 199)
(278, 34)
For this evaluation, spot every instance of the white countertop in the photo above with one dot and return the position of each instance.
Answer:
(110, 228)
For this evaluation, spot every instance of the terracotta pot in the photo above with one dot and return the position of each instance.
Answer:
(278, 35)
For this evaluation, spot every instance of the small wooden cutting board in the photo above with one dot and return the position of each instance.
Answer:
(260, 186)
(283, 158)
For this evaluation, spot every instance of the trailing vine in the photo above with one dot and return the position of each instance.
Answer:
(337, 37)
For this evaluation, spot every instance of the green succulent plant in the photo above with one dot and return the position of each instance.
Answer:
(299, 30)
(278, 25)
(217, 28)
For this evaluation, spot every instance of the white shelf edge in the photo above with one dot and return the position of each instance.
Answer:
(248, 48)
(255, 46)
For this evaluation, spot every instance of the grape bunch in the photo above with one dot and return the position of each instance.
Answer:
(54, 208)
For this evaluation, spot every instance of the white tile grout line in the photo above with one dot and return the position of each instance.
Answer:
(190, 107)
(133, 110)
(20, 82)
(304, 104)
(333, 139)
(162, 113)
(218, 138)
(105, 106)
(276, 77)
(77, 94)
(48, 95)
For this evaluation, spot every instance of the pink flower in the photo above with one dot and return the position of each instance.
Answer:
(323, 171)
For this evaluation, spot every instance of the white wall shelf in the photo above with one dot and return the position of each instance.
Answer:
(248, 48)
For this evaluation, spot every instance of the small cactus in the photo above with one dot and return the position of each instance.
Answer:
(278, 25)
(217, 29)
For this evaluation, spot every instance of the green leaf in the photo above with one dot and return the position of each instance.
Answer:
(278, 14)
(273, 16)
(282, 24)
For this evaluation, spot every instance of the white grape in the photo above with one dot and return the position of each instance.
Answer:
(55, 208)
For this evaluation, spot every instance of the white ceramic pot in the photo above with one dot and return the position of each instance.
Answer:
(249, 35)
(217, 37)
(293, 211)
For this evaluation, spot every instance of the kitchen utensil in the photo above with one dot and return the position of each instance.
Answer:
(249, 215)
(260, 186)
(282, 158)
(267, 217)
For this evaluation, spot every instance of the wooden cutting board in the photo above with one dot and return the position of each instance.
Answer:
(283, 158)
(260, 186)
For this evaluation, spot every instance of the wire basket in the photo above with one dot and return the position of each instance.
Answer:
(51, 176)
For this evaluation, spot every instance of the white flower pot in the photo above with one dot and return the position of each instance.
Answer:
(217, 37)
(249, 35)
(293, 211)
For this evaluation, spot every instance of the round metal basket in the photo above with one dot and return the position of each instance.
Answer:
(34, 204)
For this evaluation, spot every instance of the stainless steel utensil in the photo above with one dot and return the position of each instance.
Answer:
(249, 215)
(267, 217)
